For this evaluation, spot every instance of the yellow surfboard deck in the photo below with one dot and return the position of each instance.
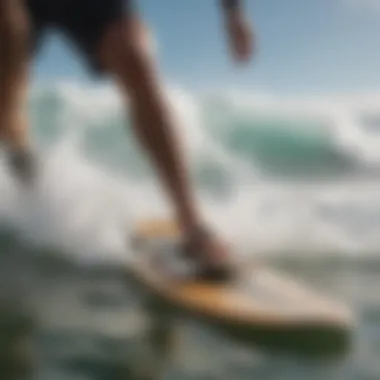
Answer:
(260, 307)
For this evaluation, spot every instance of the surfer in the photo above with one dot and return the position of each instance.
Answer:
(113, 40)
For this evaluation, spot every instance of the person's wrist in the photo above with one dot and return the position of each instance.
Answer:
(231, 4)
(231, 8)
(232, 16)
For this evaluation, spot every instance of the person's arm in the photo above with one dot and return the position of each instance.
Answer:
(14, 49)
(230, 5)
(238, 28)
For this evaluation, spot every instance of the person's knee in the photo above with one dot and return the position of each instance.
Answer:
(129, 56)
(14, 22)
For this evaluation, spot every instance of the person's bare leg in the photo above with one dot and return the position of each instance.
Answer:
(125, 53)
(127, 56)
(14, 63)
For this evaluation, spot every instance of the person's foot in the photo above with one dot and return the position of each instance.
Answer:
(23, 165)
(211, 256)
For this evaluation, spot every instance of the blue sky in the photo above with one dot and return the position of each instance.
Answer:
(304, 46)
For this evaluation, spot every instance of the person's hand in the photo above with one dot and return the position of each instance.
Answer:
(241, 36)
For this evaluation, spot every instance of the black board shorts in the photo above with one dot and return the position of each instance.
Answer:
(82, 21)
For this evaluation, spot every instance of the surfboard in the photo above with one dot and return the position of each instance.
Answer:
(260, 307)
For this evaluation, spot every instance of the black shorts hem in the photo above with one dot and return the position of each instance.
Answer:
(83, 22)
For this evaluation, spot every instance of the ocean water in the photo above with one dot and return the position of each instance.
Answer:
(292, 182)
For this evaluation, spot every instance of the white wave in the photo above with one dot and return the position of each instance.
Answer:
(86, 211)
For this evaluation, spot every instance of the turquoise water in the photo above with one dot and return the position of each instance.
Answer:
(290, 181)
(89, 325)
